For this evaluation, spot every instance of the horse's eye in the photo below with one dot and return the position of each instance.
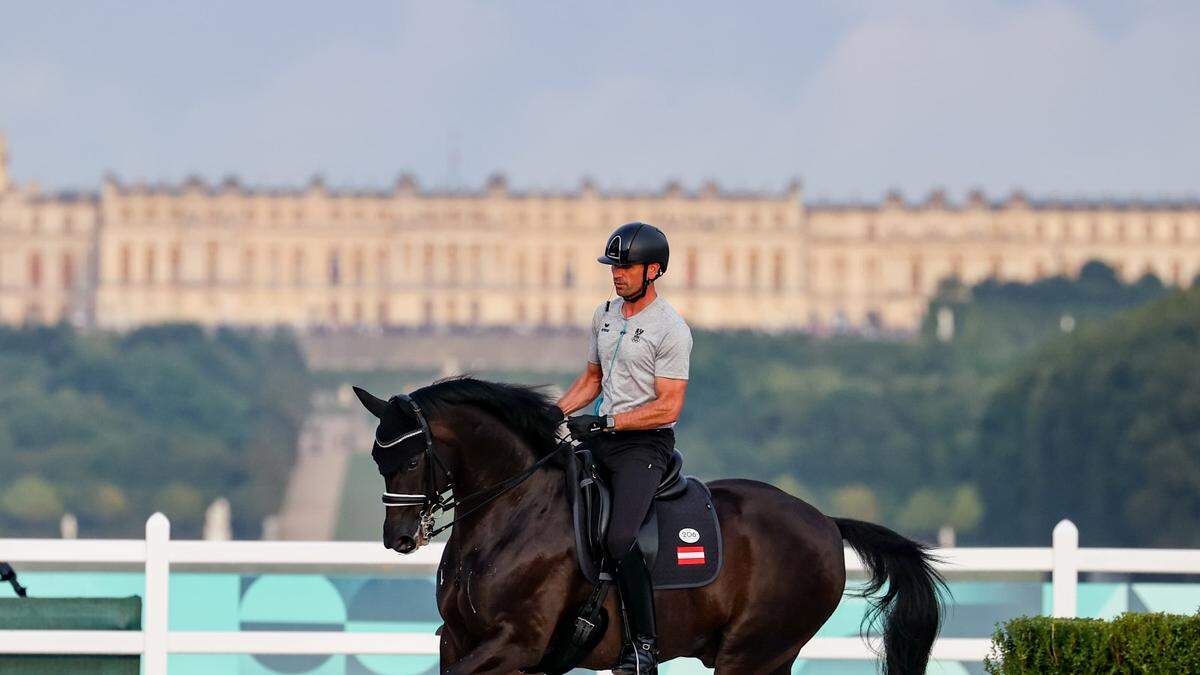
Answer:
(412, 463)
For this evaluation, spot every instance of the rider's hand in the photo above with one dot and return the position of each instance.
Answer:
(585, 426)
(557, 413)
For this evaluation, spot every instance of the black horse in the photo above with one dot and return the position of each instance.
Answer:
(509, 574)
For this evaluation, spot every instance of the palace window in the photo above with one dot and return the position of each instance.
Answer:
(452, 263)
(35, 269)
(68, 271)
(212, 262)
(915, 274)
(248, 260)
(690, 268)
(359, 267)
(384, 318)
(729, 267)
(428, 263)
(335, 268)
(381, 266)
(997, 264)
(476, 268)
(872, 267)
(298, 265)
(176, 264)
(124, 264)
(569, 274)
(150, 265)
(753, 262)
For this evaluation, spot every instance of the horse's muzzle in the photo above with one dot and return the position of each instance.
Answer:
(405, 544)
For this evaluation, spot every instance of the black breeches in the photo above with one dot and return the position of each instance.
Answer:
(635, 462)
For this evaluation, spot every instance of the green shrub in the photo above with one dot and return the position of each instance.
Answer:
(1132, 643)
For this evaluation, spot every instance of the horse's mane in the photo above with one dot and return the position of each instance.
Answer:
(524, 409)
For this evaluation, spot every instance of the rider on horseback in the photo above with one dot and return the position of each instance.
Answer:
(638, 364)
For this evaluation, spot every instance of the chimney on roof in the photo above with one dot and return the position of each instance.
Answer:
(406, 184)
(936, 199)
(976, 199)
(497, 185)
(893, 200)
(673, 189)
(1017, 199)
(587, 188)
(795, 188)
(710, 190)
(316, 184)
(193, 183)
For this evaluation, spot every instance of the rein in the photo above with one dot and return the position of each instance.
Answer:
(434, 501)
(500, 488)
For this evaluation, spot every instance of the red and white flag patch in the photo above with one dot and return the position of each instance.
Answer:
(689, 555)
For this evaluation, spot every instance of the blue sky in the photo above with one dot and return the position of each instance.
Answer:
(854, 97)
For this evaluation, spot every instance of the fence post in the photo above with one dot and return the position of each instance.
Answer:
(154, 614)
(1064, 579)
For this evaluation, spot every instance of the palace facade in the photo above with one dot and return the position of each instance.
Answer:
(315, 257)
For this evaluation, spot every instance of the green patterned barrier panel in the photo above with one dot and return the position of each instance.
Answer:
(70, 614)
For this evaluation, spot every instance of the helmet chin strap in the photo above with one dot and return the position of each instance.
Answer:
(645, 286)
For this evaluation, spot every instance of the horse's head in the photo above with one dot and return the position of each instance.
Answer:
(403, 451)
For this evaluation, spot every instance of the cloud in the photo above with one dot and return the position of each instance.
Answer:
(857, 97)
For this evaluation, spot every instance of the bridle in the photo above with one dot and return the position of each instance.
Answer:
(433, 502)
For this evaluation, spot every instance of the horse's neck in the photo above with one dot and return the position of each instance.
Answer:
(488, 465)
(545, 484)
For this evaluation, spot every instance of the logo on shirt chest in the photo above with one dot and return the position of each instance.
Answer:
(605, 329)
(637, 334)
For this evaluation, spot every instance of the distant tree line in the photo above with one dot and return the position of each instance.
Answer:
(113, 427)
(989, 431)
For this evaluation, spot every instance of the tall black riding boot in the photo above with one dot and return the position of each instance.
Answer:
(639, 657)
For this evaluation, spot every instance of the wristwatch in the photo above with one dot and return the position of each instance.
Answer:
(610, 423)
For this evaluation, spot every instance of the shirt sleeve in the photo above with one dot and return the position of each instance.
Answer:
(593, 342)
(674, 354)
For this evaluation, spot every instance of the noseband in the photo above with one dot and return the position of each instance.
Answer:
(433, 501)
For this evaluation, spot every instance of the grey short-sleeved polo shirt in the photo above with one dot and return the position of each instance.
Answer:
(655, 342)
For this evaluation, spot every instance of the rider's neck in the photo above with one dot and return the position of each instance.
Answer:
(628, 308)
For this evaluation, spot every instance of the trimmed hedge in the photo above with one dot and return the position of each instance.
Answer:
(1131, 643)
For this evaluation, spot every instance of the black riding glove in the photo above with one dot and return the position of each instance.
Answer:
(586, 426)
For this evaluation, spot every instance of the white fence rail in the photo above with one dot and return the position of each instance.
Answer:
(1064, 561)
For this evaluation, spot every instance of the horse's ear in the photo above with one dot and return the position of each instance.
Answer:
(372, 403)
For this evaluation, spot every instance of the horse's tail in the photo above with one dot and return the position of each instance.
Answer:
(911, 607)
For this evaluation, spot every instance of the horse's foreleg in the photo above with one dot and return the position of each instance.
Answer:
(498, 654)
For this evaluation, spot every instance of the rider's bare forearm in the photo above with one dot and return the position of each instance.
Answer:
(583, 391)
(652, 415)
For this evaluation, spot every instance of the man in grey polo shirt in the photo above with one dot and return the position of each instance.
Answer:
(638, 364)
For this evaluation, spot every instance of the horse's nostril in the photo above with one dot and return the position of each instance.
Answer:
(405, 545)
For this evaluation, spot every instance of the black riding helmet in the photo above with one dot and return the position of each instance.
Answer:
(637, 243)
(634, 243)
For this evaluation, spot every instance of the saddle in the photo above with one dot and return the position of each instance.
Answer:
(681, 503)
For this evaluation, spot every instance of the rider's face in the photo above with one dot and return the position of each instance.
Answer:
(627, 279)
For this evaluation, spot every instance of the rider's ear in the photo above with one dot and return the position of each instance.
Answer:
(372, 403)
